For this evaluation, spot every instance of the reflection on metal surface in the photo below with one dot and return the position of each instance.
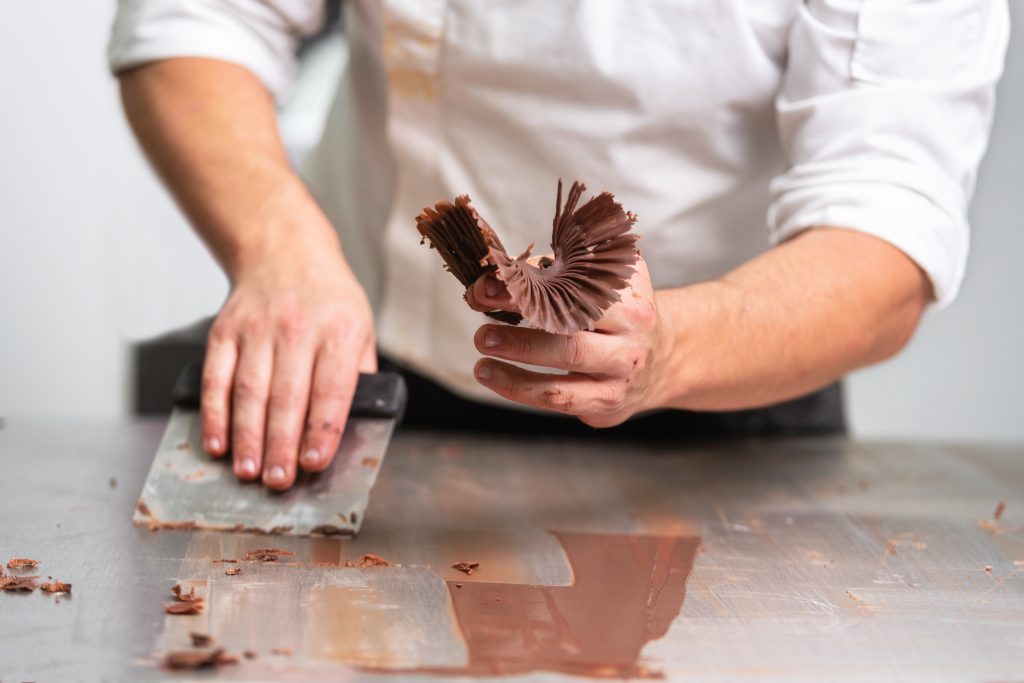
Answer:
(188, 489)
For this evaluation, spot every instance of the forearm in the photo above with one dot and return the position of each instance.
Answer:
(209, 128)
(788, 322)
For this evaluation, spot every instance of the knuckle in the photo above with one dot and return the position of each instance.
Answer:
(284, 395)
(290, 327)
(643, 313)
(247, 389)
(327, 392)
(522, 344)
(559, 399)
(222, 332)
(575, 351)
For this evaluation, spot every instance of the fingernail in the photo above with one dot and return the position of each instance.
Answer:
(491, 287)
(247, 468)
(213, 445)
(491, 339)
(276, 475)
(483, 371)
(311, 458)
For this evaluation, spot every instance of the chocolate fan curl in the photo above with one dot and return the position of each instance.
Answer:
(594, 257)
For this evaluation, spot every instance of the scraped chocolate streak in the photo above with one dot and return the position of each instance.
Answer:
(594, 255)
(626, 591)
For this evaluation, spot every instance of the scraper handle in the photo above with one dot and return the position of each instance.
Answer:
(379, 395)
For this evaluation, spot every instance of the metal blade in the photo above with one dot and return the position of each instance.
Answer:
(186, 488)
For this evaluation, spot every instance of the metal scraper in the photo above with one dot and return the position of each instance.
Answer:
(186, 488)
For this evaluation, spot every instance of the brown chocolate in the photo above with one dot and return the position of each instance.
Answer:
(283, 651)
(56, 587)
(180, 594)
(24, 584)
(197, 659)
(249, 654)
(189, 606)
(267, 555)
(143, 508)
(22, 563)
(227, 560)
(1000, 509)
(232, 571)
(200, 639)
(466, 567)
(594, 257)
(330, 530)
(369, 560)
(626, 591)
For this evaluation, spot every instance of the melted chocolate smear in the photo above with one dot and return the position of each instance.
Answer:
(594, 257)
(627, 590)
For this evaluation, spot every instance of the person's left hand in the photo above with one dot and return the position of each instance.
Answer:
(612, 371)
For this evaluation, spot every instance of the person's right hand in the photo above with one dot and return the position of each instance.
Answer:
(282, 361)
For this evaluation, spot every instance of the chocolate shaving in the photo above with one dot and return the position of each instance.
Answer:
(195, 659)
(22, 563)
(190, 606)
(143, 508)
(56, 587)
(232, 571)
(594, 257)
(267, 554)
(369, 560)
(200, 639)
(1000, 509)
(466, 567)
(180, 593)
(24, 584)
(231, 561)
(249, 654)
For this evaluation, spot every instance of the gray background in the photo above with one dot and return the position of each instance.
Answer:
(93, 254)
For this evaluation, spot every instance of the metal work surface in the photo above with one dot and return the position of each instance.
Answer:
(819, 560)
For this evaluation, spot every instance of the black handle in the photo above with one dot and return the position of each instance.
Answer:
(380, 395)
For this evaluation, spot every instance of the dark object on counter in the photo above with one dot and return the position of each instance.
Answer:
(594, 255)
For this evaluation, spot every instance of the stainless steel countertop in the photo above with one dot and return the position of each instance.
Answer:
(821, 559)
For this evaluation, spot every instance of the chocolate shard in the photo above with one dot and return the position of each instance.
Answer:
(232, 571)
(466, 567)
(369, 560)
(190, 606)
(56, 587)
(200, 639)
(267, 555)
(594, 255)
(25, 584)
(197, 659)
(22, 563)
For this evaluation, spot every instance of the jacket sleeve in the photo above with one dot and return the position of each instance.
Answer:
(884, 113)
(261, 35)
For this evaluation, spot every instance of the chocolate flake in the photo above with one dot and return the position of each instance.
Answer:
(232, 571)
(369, 560)
(1000, 509)
(466, 567)
(189, 606)
(249, 654)
(267, 554)
(180, 594)
(143, 508)
(56, 587)
(227, 560)
(200, 639)
(197, 659)
(24, 584)
(22, 563)
(594, 257)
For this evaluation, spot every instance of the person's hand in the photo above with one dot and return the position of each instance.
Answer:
(612, 371)
(282, 361)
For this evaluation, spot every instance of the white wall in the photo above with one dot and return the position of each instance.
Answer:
(92, 252)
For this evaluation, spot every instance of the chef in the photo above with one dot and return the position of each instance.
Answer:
(801, 170)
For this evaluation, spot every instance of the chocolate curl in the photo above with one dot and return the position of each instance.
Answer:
(594, 257)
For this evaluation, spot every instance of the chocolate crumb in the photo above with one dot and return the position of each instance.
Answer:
(594, 257)
(56, 587)
(1000, 509)
(267, 554)
(182, 446)
(112, 482)
(283, 651)
(190, 606)
(890, 548)
(370, 462)
(194, 659)
(249, 654)
(369, 560)
(200, 639)
(22, 563)
(466, 567)
(232, 571)
(458, 585)
(988, 568)
(143, 508)
(180, 593)
(23, 584)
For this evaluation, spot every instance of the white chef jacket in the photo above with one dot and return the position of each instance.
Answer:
(708, 119)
